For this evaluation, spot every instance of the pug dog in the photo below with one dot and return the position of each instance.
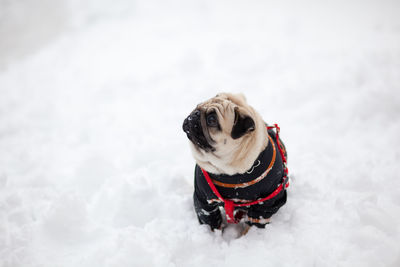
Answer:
(240, 163)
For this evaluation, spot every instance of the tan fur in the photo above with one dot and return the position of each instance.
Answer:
(231, 156)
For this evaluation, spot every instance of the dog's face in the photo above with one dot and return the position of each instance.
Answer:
(222, 130)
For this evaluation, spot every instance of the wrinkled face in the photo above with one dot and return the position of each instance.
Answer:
(219, 122)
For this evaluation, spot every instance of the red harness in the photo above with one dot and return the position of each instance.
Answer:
(230, 205)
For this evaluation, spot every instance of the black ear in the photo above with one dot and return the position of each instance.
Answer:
(243, 124)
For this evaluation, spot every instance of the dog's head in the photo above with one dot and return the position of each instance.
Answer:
(225, 132)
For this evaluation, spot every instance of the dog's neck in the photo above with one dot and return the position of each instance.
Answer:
(242, 158)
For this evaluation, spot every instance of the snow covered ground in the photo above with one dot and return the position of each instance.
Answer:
(96, 171)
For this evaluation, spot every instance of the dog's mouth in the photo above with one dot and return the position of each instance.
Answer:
(193, 128)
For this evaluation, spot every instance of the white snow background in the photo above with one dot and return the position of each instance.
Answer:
(96, 171)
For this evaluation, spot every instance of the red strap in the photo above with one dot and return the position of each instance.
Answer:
(285, 185)
(229, 205)
(229, 208)
(212, 186)
(279, 145)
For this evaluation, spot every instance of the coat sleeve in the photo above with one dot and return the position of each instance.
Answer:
(207, 213)
(258, 215)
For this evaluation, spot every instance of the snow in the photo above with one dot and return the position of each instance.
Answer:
(96, 171)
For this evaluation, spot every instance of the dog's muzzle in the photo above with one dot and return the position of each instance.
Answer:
(194, 131)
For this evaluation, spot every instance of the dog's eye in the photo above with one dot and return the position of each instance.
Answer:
(212, 120)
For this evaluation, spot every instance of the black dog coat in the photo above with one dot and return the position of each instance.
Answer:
(266, 174)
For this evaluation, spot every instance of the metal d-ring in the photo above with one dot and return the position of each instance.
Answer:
(255, 166)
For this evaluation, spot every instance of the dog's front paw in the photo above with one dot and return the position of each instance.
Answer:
(245, 230)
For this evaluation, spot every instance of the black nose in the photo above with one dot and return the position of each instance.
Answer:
(191, 124)
(194, 116)
(192, 127)
(185, 125)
